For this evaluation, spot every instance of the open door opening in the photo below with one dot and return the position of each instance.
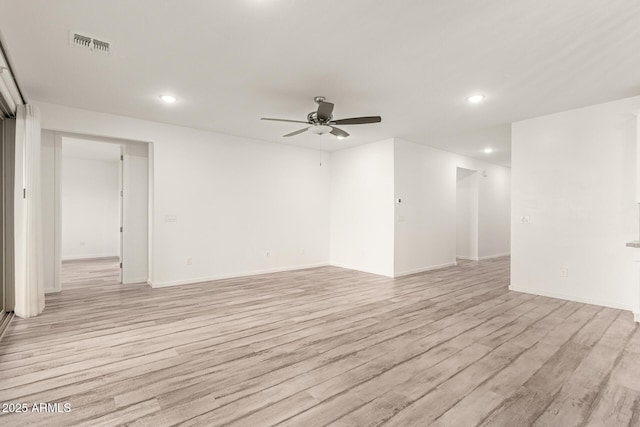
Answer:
(91, 213)
(96, 211)
(466, 214)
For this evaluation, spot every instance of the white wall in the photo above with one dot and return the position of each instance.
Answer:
(234, 199)
(425, 180)
(494, 209)
(362, 208)
(236, 206)
(371, 231)
(49, 176)
(90, 208)
(466, 214)
(574, 175)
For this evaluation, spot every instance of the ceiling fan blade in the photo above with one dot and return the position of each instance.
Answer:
(358, 120)
(324, 111)
(295, 133)
(284, 120)
(339, 132)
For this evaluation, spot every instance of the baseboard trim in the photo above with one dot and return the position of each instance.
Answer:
(468, 258)
(229, 276)
(482, 258)
(424, 269)
(134, 281)
(89, 257)
(349, 267)
(602, 303)
(636, 316)
(50, 291)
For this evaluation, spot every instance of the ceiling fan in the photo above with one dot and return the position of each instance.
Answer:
(321, 121)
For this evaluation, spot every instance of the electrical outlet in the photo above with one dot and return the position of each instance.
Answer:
(525, 219)
(564, 272)
(189, 261)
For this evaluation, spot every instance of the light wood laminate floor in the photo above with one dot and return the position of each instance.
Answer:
(324, 346)
(96, 272)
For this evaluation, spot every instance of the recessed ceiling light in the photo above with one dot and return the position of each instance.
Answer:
(169, 99)
(341, 137)
(474, 99)
(488, 150)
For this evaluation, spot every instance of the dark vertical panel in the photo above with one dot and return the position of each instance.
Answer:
(8, 172)
(2, 230)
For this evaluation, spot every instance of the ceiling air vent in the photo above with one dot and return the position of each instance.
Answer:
(100, 46)
(89, 43)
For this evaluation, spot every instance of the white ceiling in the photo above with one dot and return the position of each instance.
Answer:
(412, 61)
(92, 150)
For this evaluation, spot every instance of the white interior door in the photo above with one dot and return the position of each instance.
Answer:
(135, 206)
(121, 207)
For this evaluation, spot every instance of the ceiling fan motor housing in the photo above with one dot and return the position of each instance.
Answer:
(312, 118)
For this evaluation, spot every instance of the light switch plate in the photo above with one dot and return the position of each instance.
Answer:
(171, 218)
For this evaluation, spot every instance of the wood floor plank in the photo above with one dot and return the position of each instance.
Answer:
(429, 399)
(535, 395)
(618, 401)
(572, 404)
(476, 405)
(320, 346)
(433, 352)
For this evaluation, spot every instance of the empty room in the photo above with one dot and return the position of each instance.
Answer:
(347, 213)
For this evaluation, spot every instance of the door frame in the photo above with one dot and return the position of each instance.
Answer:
(58, 136)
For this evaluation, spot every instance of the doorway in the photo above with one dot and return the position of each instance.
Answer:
(91, 209)
(96, 211)
(466, 214)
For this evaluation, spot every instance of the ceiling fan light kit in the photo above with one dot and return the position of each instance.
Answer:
(321, 121)
(320, 129)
